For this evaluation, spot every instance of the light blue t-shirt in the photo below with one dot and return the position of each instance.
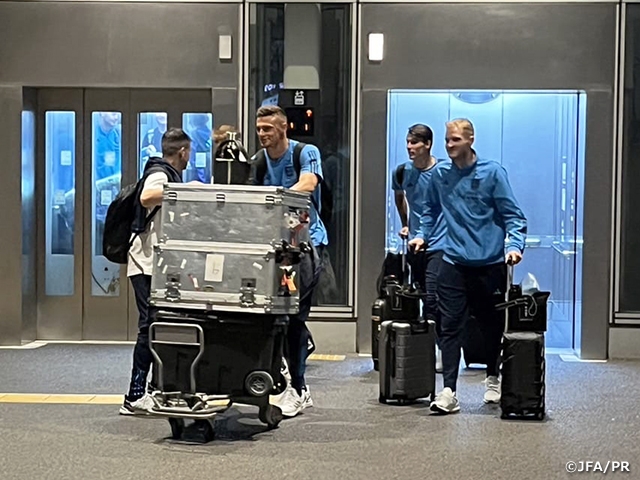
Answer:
(480, 211)
(282, 173)
(415, 183)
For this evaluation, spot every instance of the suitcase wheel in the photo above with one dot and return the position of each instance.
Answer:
(540, 415)
(271, 415)
(376, 367)
(382, 399)
(177, 428)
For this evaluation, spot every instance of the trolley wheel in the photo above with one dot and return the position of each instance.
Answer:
(258, 383)
(540, 415)
(177, 428)
(376, 366)
(382, 399)
(205, 429)
(270, 414)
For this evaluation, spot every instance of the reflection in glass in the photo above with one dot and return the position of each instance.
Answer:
(544, 171)
(629, 300)
(60, 153)
(151, 127)
(106, 175)
(199, 127)
(28, 179)
(326, 29)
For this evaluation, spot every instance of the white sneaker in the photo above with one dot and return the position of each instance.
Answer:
(446, 402)
(438, 360)
(307, 402)
(142, 406)
(492, 392)
(288, 401)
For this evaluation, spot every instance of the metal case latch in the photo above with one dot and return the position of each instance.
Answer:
(248, 292)
(172, 284)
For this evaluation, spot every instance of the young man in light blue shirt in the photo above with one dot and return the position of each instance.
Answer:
(271, 126)
(480, 211)
(411, 181)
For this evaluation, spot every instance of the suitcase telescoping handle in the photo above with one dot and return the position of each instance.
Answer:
(403, 252)
(510, 268)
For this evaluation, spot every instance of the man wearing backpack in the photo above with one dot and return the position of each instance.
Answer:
(411, 181)
(176, 150)
(290, 164)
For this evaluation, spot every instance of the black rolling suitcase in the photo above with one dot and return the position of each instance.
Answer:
(396, 301)
(523, 375)
(407, 361)
(523, 353)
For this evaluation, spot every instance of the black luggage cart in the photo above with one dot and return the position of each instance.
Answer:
(204, 361)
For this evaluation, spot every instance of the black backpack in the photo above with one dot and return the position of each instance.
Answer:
(326, 195)
(119, 222)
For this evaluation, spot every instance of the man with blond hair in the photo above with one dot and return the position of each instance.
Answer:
(480, 211)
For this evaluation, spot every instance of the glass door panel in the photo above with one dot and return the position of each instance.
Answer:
(106, 174)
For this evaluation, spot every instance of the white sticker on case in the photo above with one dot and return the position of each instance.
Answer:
(184, 263)
(195, 283)
(164, 270)
(258, 266)
(171, 215)
(160, 262)
(214, 268)
(184, 214)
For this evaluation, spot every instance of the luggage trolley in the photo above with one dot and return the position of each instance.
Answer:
(195, 379)
(227, 273)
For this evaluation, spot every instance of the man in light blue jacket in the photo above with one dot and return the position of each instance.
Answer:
(480, 211)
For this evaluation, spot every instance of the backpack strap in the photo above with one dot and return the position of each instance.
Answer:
(399, 174)
(147, 219)
(297, 151)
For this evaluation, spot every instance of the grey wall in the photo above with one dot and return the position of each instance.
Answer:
(11, 231)
(494, 46)
(116, 44)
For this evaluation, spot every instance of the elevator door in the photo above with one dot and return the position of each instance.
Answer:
(91, 143)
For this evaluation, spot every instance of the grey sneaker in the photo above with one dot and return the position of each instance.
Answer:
(446, 402)
(492, 392)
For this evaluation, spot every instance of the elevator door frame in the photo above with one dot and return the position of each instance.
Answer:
(525, 62)
(83, 316)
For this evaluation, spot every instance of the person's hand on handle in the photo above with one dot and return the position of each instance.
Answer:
(416, 244)
(404, 232)
(513, 257)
